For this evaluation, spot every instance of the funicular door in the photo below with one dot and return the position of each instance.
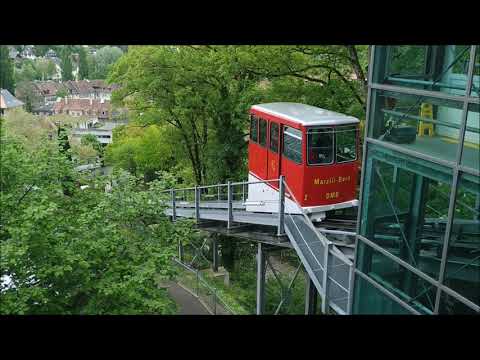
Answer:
(273, 167)
(258, 153)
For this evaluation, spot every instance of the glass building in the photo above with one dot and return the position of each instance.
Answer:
(418, 236)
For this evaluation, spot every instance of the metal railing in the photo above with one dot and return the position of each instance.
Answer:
(327, 280)
(211, 291)
(330, 255)
(186, 198)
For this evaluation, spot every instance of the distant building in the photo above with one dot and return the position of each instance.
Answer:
(28, 53)
(48, 90)
(8, 101)
(45, 110)
(51, 54)
(12, 53)
(93, 109)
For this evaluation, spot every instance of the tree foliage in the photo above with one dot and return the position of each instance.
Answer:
(143, 150)
(88, 253)
(82, 64)
(204, 92)
(66, 65)
(99, 64)
(7, 80)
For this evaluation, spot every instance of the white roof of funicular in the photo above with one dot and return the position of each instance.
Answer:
(306, 115)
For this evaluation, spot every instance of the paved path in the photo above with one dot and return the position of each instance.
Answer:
(188, 304)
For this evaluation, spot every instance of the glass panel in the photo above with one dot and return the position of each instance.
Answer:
(262, 132)
(451, 306)
(462, 272)
(471, 144)
(404, 284)
(253, 128)
(274, 136)
(292, 144)
(346, 143)
(320, 146)
(475, 91)
(435, 68)
(422, 124)
(370, 300)
(407, 60)
(405, 207)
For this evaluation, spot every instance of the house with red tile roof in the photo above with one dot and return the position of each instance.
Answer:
(93, 109)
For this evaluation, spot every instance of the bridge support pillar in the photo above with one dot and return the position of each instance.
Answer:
(215, 254)
(261, 267)
(311, 297)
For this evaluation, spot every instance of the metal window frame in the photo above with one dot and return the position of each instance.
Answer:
(355, 129)
(270, 137)
(399, 261)
(254, 117)
(456, 168)
(456, 176)
(386, 292)
(424, 93)
(362, 175)
(265, 145)
(333, 148)
(285, 132)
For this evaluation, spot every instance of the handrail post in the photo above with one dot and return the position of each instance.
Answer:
(230, 212)
(243, 192)
(196, 273)
(180, 250)
(215, 301)
(281, 207)
(219, 193)
(174, 210)
(197, 204)
(325, 300)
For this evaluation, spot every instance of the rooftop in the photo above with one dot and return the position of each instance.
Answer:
(305, 114)
(7, 100)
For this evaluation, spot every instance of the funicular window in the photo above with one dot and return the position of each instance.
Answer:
(292, 144)
(320, 146)
(346, 143)
(274, 137)
(262, 132)
(253, 128)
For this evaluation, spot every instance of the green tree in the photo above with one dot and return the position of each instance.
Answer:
(88, 253)
(83, 65)
(200, 92)
(45, 69)
(101, 62)
(91, 140)
(204, 92)
(7, 80)
(61, 93)
(26, 93)
(27, 72)
(144, 150)
(66, 66)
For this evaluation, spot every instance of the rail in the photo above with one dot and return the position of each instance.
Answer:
(230, 196)
(199, 279)
(330, 255)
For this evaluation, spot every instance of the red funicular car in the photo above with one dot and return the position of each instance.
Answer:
(315, 149)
